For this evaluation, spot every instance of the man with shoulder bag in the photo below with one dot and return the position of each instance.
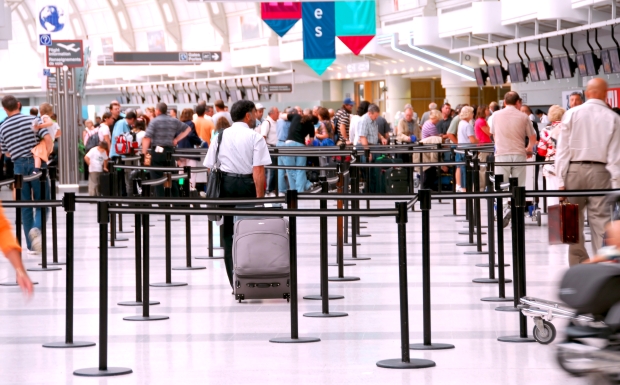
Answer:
(239, 156)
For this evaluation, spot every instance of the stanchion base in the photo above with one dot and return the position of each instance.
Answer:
(467, 232)
(343, 279)
(136, 303)
(44, 269)
(65, 345)
(96, 372)
(149, 318)
(397, 363)
(11, 284)
(483, 252)
(497, 299)
(189, 268)
(54, 264)
(215, 257)
(431, 347)
(344, 264)
(121, 240)
(289, 340)
(470, 244)
(166, 284)
(489, 280)
(516, 339)
(124, 232)
(115, 247)
(346, 244)
(323, 315)
(487, 265)
(509, 309)
(320, 298)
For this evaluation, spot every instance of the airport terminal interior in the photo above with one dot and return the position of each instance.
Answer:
(408, 191)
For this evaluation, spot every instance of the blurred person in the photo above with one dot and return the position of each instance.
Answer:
(331, 114)
(34, 112)
(173, 113)
(260, 110)
(575, 99)
(342, 120)
(122, 127)
(115, 110)
(453, 130)
(466, 134)
(446, 118)
(325, 133)
(150, 112)
(269, 131)
(429, 128)
(408, 130)
(367, 131)
(542, 117)
(13, 252)
(220, 111)
(43, 149)
(192, 140)
(282, 129)
(104, 128)
(547, 148)
(427, 114)
(588, 158)
(301, 127)
(204, 127)
(209, 112)
(97, 161)
(384, 130)
(220, 126)
(97, 121)
(354, 122)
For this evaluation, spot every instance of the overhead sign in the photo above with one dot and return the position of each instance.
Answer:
(47, 72)
(45, 39)
(275, 88)
(363, 66)
(166, 57)
(52, 82)
(68, 53)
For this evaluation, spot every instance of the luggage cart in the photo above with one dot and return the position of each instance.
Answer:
(543, 312)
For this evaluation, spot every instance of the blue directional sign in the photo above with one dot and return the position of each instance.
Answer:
(47, 72)
(45, 39)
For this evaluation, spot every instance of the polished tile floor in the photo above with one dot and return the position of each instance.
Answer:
(212, 339)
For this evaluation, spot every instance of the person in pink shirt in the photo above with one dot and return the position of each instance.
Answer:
(483, 134)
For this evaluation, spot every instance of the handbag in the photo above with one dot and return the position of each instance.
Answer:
(563, 224)
(214, 180)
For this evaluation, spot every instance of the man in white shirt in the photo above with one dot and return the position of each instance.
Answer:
(243, 155)
(268, 130)
(220, 109)
(588, 157)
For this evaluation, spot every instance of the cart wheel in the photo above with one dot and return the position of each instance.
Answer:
(546, 335)
(539, 218)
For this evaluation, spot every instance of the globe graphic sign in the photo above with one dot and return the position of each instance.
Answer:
(52, 18)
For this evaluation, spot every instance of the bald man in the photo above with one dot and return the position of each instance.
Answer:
(588, 158)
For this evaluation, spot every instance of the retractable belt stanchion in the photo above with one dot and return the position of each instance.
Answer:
(121, 180)
(291, 205)
(404, 362)
(18, 220)
(499, 179)
(324, 297)
(355, 220)
(117, 188)
(424, 197)
(514, 182)
(146, 192)
(113, 191)
(170, 163)
(470, 209)
(52, 171)
(44, 267)
(454, 182)
(339, 237)
(103, 370)
(188, 232)
(477, 212)
(324, 251)
(168, 225)
(518, 198)
(69, 205)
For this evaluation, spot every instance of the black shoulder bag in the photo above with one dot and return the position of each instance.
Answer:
(214, 180)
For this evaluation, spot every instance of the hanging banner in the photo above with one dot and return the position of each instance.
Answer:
(319, 35)
(280, 17)
(356, 23)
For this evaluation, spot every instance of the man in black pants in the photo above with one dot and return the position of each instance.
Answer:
(161, 137)
(242, 155)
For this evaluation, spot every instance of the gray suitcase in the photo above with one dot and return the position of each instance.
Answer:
(261, 263)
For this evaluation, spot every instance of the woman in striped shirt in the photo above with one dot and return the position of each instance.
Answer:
(429, 128)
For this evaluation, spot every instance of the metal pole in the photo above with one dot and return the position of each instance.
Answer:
(339, 234)
(52, 171)
(44, 267)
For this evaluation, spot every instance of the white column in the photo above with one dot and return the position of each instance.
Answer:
(457, 95)
(398, 94)
(335, 91)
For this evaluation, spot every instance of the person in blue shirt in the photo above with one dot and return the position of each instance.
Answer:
(282, 128)
(122, 126)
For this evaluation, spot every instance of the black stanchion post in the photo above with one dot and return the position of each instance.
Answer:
(367, 173)
(188, 230)
(324, 297)
(454, 182)
(474, 185)
(69, 205)
(518, 224)
(514, 182)
(471, 217)
(44, 267)
(52, 171)
(291, 205)
(168, 247)
(405, 361)
(355, 220)
(499, 179)
(146, 300)
(424, 197)
(339, 236)
(103, 370)
(113, 183)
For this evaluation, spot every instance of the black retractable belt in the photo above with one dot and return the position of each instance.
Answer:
(69, 205)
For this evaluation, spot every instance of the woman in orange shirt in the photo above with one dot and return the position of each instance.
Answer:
(13, 252)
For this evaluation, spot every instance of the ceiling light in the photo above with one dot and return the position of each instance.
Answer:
(429, 68)
(403, 71)
(330, 68)
(395, 71)
(385, 62)
(387, 72)
(411, 69)
(394, 61)
(421, 68)
(401, 60)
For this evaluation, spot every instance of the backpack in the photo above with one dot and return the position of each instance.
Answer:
(125, 144)
(92, 141)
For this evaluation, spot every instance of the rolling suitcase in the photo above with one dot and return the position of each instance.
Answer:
(397, 181)
(261, 264)
(563, 224)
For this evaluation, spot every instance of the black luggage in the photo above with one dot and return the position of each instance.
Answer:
(377, 182)
(591, 288)
(397, 181)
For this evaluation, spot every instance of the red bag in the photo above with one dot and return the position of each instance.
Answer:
(125, 144)
(563, 224)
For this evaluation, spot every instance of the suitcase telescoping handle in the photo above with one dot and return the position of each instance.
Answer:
(263, 285)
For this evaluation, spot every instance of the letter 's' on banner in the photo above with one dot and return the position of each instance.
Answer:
(280, 17)
(319, 34)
